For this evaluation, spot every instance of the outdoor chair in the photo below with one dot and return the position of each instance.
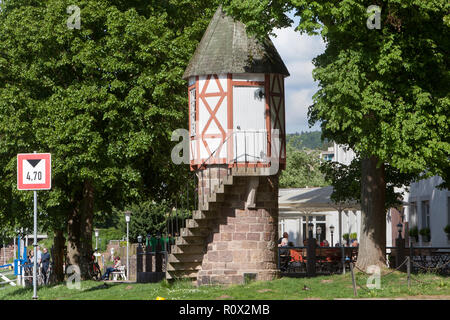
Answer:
(120, 273)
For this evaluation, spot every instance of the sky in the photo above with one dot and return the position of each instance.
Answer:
(297, 52)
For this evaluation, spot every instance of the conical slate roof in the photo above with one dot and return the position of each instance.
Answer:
(226, 48)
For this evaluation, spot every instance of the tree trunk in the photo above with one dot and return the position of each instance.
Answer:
(80, 223)
(372, 247)
(86, 225)
(58, 255)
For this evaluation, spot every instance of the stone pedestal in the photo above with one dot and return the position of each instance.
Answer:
(243, 243)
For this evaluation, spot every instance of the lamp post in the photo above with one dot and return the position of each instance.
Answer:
(318, 232)
(332, 231)
(96, 238)
(127, 220)
(311, 252)
(400, 257)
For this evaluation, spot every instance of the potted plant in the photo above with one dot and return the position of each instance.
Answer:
(426, 234)
(447, 231)
(414, 233)
(346, 236)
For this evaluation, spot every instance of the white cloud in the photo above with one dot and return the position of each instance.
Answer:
(297, 52)
(297, 104)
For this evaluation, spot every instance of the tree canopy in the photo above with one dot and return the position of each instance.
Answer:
(103, 100)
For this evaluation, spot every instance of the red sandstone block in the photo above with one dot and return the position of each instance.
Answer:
(225, 256)
(267, 236)
(240, 256)
(226, 236)
(250, 245)
(239, 236)
(230, 272)
(254, 213)
(253, 236)
(221, 245)
(216, 237)
(227, 228)
(213, 256)
(206, 266)
(256, 228)
(237, 279)
(240, 213)
(249, 220)
(242, 227)
(231, 220)
(269, 227)
(236, 245)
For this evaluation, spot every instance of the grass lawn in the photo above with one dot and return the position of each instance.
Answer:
(325, 287)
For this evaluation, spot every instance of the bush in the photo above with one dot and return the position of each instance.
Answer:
(414, 232)
(425, 232)
(447, 229)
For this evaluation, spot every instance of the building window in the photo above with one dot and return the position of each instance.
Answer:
(192, 102)
(413, 215)
(448, 210)
(425, 214)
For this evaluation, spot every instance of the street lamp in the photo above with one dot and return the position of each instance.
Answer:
(127, 220)
(399, 229)
(319, 231)
(139, 238)
(96, 238)
(332, 231)
(310, 229)
(311, 253)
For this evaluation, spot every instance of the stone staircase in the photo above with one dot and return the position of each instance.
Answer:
(187, 254)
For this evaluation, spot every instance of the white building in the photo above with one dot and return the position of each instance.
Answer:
(425, 206)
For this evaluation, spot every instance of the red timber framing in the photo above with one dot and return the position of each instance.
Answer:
(278, 108)
(272, 108)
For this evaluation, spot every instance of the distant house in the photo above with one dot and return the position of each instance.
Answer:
(424, 206)
(327, 155)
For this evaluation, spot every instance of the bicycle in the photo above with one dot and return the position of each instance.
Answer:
(94, 268)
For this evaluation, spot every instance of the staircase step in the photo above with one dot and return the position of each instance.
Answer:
(186, 266)
(194, 232)
(181, 274)
(208, 206)
(183, 258)
(189, 241)
(198, 214)
(190, 249)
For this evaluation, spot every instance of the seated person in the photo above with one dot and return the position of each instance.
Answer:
(117, 264)
(285, 236)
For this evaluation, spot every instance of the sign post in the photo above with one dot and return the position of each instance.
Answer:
(34, 173)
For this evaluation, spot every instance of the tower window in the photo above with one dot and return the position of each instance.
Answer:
(192, 102)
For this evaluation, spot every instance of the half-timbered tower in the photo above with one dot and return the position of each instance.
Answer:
(237, 147)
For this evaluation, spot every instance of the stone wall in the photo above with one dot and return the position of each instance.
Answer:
(244, 241)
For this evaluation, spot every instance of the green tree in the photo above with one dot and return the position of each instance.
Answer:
(103, 99)
(383, 92)
(302, 170)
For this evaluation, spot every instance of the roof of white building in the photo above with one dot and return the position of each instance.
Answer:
(310, 200)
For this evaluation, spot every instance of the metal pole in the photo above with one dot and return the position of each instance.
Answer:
(355, 293)
(128, 270)
(35, 249)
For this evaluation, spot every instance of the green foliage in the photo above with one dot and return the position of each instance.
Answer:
(425, 232)
(346, 182)
(148, 218)
(383, 93)
(308, 140)
(414, 232)
(302, 169)
(447, 229)
(105, 235)
(103, 100)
